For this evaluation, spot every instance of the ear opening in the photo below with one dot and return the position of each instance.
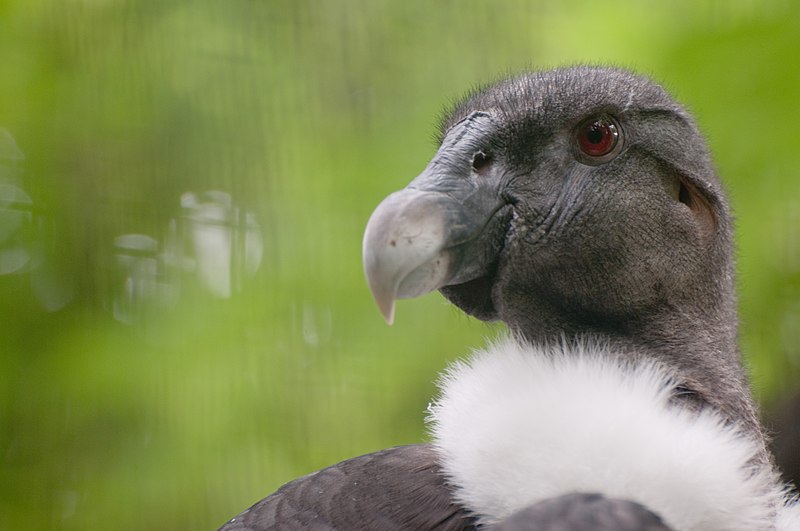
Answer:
(683, 195)
(699, 204)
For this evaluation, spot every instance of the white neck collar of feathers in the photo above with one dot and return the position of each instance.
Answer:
(517, 424)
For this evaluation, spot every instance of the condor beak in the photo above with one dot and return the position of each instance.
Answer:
(441, 229)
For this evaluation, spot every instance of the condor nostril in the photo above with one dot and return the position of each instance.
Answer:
(480, 160)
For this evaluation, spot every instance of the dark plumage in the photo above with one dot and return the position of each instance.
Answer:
(579, 206)
(367, 492)
(579, 512)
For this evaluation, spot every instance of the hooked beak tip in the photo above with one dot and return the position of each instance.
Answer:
(382, 293)
(387, 310)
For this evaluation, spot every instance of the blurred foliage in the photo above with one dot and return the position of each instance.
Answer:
(183, 188)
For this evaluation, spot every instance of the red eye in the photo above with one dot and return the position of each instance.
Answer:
(598, 136)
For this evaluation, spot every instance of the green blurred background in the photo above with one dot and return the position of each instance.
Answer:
(183, 188)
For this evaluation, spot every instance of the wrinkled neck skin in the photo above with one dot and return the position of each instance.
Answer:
(699, 345)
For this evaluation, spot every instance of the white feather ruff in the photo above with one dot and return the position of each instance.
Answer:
(517, 424)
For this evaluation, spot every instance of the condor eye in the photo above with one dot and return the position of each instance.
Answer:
(598, 139)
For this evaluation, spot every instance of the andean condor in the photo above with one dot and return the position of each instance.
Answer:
(580, 207)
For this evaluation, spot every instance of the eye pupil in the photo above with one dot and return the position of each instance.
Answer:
(598, 137)
(594, 135)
